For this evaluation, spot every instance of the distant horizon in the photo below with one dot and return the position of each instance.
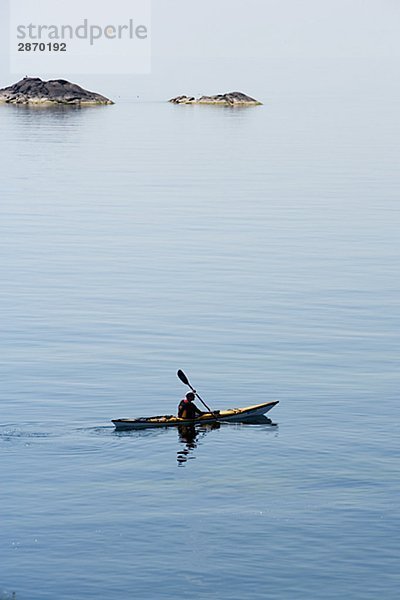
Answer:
(264, 30)
(265, 48)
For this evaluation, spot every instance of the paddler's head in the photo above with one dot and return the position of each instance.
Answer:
(190, 396)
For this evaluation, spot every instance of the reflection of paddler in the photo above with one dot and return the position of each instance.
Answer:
(188, 435)
(187, 409)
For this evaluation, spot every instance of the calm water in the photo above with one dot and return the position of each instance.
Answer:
(257, 250)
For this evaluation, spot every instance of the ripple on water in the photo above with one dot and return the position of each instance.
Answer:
(11, 433)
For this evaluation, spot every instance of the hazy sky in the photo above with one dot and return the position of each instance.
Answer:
(262, 28)
(277, 28)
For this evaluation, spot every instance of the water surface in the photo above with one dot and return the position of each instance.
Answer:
(255, 249)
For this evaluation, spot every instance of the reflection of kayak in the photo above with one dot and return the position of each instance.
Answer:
(232, 415)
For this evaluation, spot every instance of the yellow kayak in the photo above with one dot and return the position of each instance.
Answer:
(232, 415)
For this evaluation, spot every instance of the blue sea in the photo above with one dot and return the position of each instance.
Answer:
(258, 250)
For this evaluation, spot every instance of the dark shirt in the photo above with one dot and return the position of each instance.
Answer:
(188, 410)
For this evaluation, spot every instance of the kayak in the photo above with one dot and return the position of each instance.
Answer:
(232, 415)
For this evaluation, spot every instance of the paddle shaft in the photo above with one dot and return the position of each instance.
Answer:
(201, 400)
(185, 380)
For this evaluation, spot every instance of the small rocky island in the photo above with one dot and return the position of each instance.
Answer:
(229, 99)
(33, 90)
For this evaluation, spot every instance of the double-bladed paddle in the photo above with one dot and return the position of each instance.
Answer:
(185, 380)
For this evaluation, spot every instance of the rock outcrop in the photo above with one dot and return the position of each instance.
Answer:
(229, 99)
(32, 90)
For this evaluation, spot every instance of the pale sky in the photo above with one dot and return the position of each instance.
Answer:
(270, 29)
(277, 28)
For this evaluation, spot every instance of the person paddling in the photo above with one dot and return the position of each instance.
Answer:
(187, 409)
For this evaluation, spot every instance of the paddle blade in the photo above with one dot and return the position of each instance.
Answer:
(183, 377)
